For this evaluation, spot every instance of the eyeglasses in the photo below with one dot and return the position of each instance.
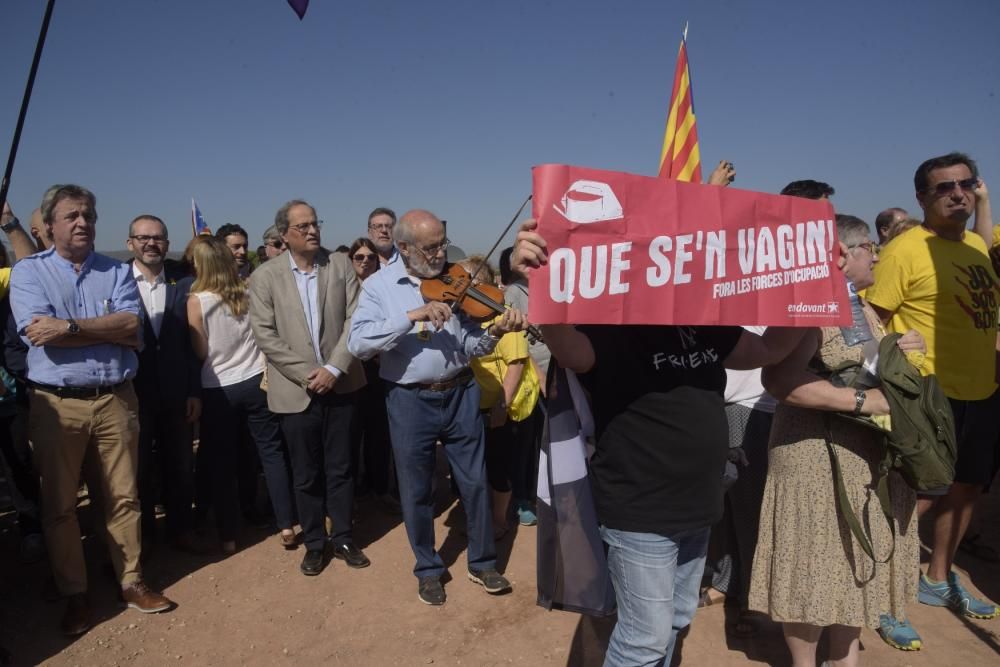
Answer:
(432, 252)
(362, 257)
(870, 246)
(946, 187)
(305, 227)
(277, 245)
(383, 227)
(143, 239)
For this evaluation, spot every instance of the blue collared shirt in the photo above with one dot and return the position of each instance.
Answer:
(47, 284)
(306, 285)
(410, 351)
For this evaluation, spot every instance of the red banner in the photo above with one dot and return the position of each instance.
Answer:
(627, 249)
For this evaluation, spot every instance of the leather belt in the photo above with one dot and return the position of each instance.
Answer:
(444, 385)
(85, 393)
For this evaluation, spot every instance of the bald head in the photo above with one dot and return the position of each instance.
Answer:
(421, 241)
(886, 220)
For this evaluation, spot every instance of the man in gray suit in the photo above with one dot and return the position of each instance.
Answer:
(300, 308)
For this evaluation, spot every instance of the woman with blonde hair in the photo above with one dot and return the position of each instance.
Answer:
(231, 376)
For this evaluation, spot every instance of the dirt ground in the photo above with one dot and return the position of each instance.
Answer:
(256, 608)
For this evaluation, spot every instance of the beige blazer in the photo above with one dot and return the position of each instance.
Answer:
(282, 332)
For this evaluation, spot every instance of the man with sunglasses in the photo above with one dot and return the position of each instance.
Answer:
(938, 279)
(168, 386)
(431, 396)
(273, 244)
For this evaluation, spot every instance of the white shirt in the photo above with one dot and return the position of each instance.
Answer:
(153, 295)
(306, 284)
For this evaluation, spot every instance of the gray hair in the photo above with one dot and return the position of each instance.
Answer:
(271, 233)
(281, 217)
(852, 231)
(57, 193)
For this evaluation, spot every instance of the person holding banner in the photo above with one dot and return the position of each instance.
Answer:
(662, 442)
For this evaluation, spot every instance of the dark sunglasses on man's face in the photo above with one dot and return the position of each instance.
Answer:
(946, 187)
(277, 245)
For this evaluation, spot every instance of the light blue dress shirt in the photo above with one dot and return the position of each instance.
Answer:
(47, 284)
(410, 351)
(306, 284)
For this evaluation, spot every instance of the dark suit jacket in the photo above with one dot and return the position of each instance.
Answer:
(169, 371)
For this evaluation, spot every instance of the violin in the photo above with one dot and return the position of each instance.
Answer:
(481, 302)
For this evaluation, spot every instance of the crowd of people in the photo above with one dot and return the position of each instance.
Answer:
(168, 387)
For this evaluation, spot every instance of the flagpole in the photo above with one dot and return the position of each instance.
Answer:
(39, 45)
(685, 35)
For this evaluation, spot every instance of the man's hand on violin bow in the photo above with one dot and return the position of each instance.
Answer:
(512, 320)
(435, 312)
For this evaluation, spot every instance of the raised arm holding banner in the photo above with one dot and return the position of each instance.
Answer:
(627, 249)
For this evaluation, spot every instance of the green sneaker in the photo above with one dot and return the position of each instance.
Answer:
(953, 595)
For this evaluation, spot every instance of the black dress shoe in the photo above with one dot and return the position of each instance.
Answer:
(77, 619)
(312, 563)
(430, 591)
(351, 555)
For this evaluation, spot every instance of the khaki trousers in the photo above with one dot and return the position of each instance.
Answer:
(105, 431)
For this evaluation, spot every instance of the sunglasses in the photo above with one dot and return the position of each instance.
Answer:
(363, 257)
(946, 187)
(277, 245)
(870, 246)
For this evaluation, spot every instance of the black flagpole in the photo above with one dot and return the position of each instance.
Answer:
(39, 45)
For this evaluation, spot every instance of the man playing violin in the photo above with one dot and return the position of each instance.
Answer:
(431, 395)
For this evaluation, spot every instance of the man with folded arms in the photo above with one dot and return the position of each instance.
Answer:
(79, 313)
(431, 395)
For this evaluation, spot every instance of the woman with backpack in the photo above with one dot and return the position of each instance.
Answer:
(810, 572)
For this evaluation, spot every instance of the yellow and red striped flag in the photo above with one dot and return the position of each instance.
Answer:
(680, 158)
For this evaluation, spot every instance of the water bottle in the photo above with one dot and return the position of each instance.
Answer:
(859, 331)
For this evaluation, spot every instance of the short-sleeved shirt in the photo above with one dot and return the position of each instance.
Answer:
(662, 437)
(491, 369)
(948, 291)
(48, 285)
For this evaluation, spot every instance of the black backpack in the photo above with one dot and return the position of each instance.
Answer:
(920, 446)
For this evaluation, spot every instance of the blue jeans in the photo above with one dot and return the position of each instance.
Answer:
(656, 581)
(418, 418)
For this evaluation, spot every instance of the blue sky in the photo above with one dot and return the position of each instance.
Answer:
(446, 104)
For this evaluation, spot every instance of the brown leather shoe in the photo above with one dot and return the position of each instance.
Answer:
(77, 619)
(141, 597)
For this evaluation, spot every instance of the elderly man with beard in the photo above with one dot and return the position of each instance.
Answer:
(380, 224)
(431, 395)
(168, 386)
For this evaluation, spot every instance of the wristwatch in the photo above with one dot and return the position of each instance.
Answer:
(72, 327)
(859, 400)
(10, 226)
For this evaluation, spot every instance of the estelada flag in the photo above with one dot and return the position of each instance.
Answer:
(198, 225)
(626, 249)
(680, 158)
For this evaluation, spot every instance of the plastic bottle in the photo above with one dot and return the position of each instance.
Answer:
(859, 332)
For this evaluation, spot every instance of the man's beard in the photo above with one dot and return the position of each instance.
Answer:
(421, 268)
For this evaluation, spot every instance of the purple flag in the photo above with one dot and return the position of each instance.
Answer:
(299, 7)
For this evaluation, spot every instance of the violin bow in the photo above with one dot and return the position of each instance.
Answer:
(496, 245)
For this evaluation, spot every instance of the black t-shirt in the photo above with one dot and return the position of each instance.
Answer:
(662, 437)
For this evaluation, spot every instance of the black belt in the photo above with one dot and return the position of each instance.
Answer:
(86, 393)
(443, 385)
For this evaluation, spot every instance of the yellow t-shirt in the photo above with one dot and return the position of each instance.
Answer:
(491, 369)
(947, 291)
(4, 281)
